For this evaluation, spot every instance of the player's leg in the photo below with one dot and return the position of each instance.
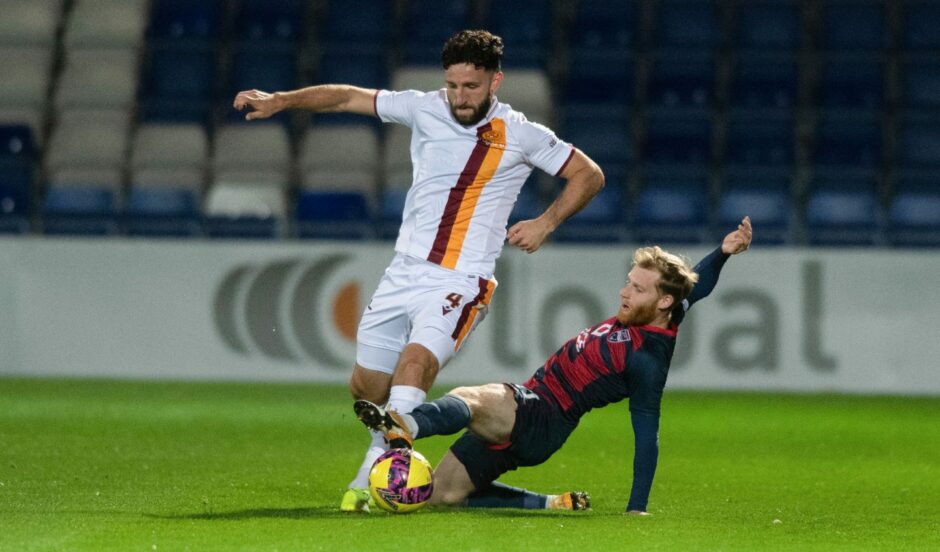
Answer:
(455, 485)
(382, 334)
(489, 411)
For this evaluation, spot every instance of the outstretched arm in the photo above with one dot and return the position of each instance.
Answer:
(710, 267)
(585, 179)
(324, 98)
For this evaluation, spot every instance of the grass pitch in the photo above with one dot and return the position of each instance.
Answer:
(100, 465)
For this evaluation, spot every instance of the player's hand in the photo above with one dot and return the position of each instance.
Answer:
(638, 513)
(528, 235)
(739, 240)
(261, 105)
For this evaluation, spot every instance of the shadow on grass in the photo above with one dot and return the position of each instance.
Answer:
(330, 512)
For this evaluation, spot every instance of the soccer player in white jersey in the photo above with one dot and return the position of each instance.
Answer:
(471, 155)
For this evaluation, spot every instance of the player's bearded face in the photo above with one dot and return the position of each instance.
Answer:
(470, 92)
(639, 298)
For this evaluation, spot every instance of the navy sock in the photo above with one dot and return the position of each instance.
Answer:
(444, 416)
(497, 495)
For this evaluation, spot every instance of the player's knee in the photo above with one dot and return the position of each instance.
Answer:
(448, 497)
(360, 388)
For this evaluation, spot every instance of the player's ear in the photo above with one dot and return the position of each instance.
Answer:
(497, 81)
(665, 302)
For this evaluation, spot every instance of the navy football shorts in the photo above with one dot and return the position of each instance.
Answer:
(539, 431)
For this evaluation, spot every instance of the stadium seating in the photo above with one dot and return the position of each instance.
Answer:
(763, 80)
(848, 142)
(671, 210)
(914, 213)
(921, 82)
(762, 138)
(238, 210)
(357, 22)
(765, 197)
(679, 141)
(390, 213)
(26, 72)
(29, 22)
(396, 162)
(341, 158)
(98, 79)
(853, 26)
(430, 23)
(682, 80)
(80, 209)
(851, 81)
(106, 24)
(602, 220)
(919, 142)
(921, 21)
(686, 24)
(333, 215)
(162, 211)
(17, 157)
(768, 26)
(525, 28)
(257, 152)
(842, 215)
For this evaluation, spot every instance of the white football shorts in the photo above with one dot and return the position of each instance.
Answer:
(420, 302)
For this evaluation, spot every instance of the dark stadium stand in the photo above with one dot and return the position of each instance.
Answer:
(820, 119)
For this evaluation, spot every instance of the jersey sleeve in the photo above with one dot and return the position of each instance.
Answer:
(708, 270)
(543, 149)
(397, 107)
(647, 381)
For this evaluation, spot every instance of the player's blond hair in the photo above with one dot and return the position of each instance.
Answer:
(676, 276)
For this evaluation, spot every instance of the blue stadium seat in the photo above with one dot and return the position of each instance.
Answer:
(16, 143)
(17, 164)
(852, 82)
(671, 213)
(350, 22)
(604, 25)
(848, 142)
(390, 213)
(682, 80)
(921, 83)
(15, 193)
(761, 81)
(919, 143)
(162, 212)
(525, 28)
(683, 24)
(765, 139)
(365, 66)
(79, 210)
(842, 216)
(608, 139)
(333, 215)
(268, 68)
(853, 26)
(182, 20)
(914, 213)
(921, 21)
(603, 220)
(178, 83)
(270, 21)
(600, 77)
(678, 141)
(528, 204)
(769, 208)
(768, 26)
(430, 23)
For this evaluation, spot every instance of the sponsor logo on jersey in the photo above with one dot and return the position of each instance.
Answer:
(620, 336)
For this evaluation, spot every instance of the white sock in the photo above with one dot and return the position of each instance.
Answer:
(376, 448)
(404, 398)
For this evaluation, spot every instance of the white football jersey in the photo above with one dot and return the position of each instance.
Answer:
(465, 179)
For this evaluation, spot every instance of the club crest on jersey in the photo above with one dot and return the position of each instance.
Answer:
(493, 139)
(620, 336)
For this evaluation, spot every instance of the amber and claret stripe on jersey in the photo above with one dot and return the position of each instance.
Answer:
(462, 201)
(469, 313)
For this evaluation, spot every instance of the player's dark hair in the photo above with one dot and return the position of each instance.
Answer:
(479, 47)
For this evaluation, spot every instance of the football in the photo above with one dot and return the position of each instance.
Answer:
(401, 481)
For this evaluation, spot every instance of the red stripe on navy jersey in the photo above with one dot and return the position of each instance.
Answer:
(558, 392)
(468, 308)
(469, 173)
(636, 336)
